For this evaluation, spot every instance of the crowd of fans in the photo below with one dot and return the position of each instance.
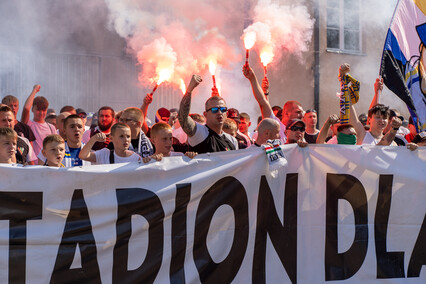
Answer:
(69, 139)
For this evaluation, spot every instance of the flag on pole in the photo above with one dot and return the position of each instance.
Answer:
(403, 65)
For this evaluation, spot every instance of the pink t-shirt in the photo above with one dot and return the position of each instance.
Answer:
(41, 130)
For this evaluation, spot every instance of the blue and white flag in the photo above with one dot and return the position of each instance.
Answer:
(404, 58)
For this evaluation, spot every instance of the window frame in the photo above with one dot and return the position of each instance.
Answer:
(341, 29)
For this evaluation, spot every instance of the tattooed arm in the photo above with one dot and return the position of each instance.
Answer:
(186, 122)
(390, 136)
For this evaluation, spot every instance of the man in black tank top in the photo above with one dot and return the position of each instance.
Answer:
(208, 137)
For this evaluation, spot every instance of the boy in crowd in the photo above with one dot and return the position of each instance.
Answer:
(140, 143)
(24, 151)
(8, 138)
(73, 128)
(21, 129)
(120, 137)
(54, 150)
(162, 138)
(38, 125)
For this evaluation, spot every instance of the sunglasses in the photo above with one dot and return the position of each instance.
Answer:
(82, 115)
(297, 128)
(216, 109)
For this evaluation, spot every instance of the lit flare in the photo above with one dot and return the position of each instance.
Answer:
(249, 40)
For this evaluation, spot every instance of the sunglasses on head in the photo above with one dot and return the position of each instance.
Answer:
(311, 110)
(297, 128)
(216, 109)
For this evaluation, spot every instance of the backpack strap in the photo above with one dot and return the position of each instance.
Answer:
(111, 156)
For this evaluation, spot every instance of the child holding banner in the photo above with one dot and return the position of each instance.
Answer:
(8, 140)
(162, 138)
(53, 150)
(120, 137)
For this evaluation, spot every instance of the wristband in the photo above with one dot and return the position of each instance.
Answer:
(267, 94)
(396, 128)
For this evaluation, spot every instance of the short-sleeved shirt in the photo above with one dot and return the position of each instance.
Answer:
(40, 130)
(206, 140)
(141, 146)
(24, 151)
(71, 158)
(102, 157)
(24, 130)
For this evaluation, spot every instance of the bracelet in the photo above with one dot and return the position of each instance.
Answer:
(396, 128)
(267, 94)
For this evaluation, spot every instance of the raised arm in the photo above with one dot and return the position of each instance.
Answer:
(86, 152)
(265, 87)
(25, 116)
(144, 108)
(359, 128)
(390, 136)
(332, 119)
(264, 105)
(186, 122)
(378, 87)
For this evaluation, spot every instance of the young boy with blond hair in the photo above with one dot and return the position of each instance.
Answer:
(54, 150)
(120, 137)
(8, 140)
(162, 138)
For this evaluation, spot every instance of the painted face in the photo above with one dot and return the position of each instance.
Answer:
(105, 120)
(39, 114)
(295, 133)
(7, 119)
(378, 122)
(121, 139)
(74, 130)
(215, 119)
(7, 149)
(54, 153)
(163, 141)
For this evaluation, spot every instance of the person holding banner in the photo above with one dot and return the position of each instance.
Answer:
(209, 137)
(8, 138)
(120, 137)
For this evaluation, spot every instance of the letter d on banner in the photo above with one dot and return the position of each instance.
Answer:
(340, 266)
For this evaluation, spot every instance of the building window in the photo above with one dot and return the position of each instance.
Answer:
(343, 25)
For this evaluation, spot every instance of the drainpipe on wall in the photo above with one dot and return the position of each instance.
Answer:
(316, 59)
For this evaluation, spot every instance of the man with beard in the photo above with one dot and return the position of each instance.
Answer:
(209, 137)
(105, 120)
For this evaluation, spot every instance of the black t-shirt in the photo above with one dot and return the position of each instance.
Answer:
(24, 130)
(311, 139)
(213, 143)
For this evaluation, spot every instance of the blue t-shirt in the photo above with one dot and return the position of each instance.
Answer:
(76, 161)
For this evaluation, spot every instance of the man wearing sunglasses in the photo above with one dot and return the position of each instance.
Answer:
(208, 137)
(295, 130)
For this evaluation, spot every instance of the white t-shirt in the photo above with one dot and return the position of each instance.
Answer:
(283, 138)
(102, 157)
(40, 130)
(203, 132)
(370, 140)
(180, 135)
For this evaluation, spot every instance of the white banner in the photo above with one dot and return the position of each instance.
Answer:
(333, 213)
